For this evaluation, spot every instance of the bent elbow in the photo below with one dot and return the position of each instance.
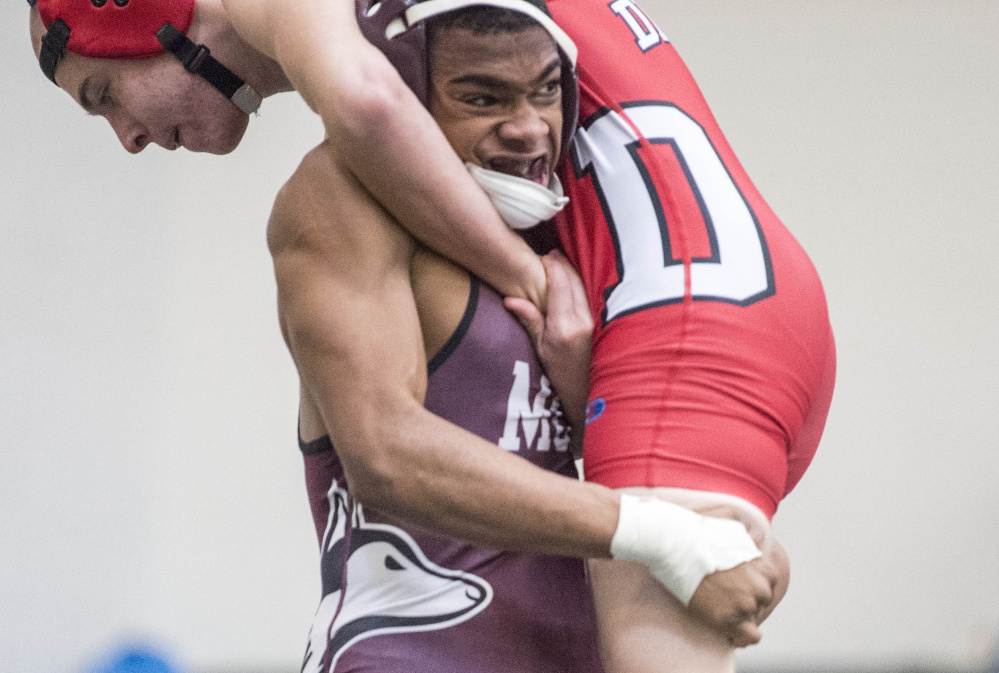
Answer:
(383, 461)
(378, 473)
(370, 100)
(373, 483)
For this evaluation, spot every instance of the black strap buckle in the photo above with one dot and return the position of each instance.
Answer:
(197, 59)
(189, 54)
(193, 60)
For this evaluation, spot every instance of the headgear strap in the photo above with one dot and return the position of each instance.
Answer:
(131, 29)
(198, 59)
(53, 48)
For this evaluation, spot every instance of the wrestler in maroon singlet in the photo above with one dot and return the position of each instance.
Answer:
(420, 602)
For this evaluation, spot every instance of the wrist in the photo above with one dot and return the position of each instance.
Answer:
(535, 281)
(517, 273)
(679, 546)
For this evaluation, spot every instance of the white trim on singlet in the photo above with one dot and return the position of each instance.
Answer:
(425, 10)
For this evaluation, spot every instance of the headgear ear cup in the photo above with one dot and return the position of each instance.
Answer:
(396, 28)
(407, 51)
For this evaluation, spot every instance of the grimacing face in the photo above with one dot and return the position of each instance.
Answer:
(152, 100)
(497, 97)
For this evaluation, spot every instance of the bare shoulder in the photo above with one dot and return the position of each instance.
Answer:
(336, 253)
(323, 209)
(254, 20)
(290, 217)
(262, 23)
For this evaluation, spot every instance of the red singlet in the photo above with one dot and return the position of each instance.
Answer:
(713, 357)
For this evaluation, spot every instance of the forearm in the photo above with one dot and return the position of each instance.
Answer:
(349, 317)
(388, 140)
(436, 475)
(431, 194)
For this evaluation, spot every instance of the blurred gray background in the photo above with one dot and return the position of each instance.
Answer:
(150, 485)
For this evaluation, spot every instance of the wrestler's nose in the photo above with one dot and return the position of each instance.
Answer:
(525, 125)
(131, 133)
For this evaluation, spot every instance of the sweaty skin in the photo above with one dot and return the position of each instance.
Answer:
(345, 300)
(348, 313)
(515, 129)
(373, 120)
(407, 475)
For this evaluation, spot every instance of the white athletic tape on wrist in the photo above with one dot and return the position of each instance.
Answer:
(679, 546)
(521, 203)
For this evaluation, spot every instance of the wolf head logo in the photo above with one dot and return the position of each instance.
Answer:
(387, 586)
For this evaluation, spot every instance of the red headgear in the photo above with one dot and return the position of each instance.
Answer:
(134, 29)
(116, 28)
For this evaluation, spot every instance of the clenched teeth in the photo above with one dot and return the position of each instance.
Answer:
(530, 169)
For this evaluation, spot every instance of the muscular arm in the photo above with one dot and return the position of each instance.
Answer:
(348, 314)
(386, 138)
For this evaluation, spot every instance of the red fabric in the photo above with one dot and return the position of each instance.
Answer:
(117, 32)
(723, 396)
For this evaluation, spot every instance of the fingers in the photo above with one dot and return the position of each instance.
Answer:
(775, 553)
(739, 627)
(760, 580)
(735, 601)
(764, 599)
(742, 628)
(559, 290)
(527, 314)
(568, 308)
(575, 282)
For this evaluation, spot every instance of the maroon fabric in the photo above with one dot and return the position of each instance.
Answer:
(113, 31)
(539, 617)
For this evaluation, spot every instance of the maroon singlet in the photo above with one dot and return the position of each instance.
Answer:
(415, 601)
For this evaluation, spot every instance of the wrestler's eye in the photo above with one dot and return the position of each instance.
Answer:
(550, 87)
(392, 564)
(480, 100)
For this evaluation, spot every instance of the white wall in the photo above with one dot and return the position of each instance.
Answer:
(149, 479)
(150, 484)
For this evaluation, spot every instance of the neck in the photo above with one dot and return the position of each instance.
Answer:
(212, 27)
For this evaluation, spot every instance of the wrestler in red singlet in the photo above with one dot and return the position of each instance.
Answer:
(713, 357)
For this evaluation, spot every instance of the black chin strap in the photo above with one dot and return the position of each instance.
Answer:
(197, 59)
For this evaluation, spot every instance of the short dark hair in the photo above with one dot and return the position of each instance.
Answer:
(483, 20)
